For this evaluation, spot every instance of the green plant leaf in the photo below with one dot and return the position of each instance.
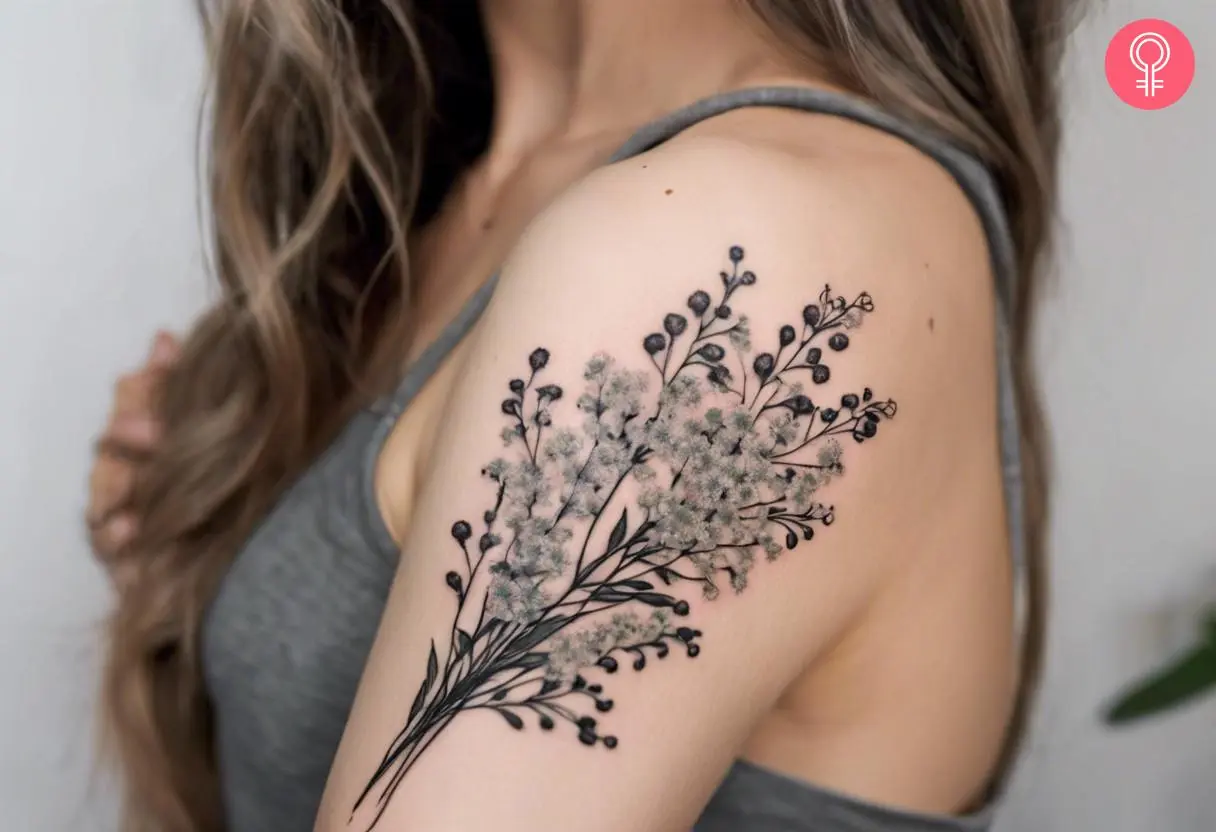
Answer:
(1190, 675)
(1209, 626)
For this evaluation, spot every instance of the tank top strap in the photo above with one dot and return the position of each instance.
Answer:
(428, 363)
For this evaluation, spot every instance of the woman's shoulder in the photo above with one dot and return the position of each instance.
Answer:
(849, 197)
(816, 200)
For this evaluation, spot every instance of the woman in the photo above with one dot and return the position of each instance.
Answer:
(695, 513)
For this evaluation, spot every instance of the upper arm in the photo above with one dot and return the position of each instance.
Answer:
(666, 483)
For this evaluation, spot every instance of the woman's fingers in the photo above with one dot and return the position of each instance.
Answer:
(133, 394)
(109, 534)
(109, 485)
(111, 524)
(130, 434)
(165, 349)
(133, 391)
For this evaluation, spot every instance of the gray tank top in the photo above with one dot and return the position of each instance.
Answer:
(286, 639)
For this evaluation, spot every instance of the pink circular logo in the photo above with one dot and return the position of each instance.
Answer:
(1150, 64)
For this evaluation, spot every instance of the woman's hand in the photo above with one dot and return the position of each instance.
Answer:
(130, 434)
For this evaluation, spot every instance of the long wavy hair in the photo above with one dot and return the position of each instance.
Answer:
(337, 126)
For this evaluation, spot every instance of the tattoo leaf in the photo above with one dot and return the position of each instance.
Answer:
(488, 628)
(612, 596)
(432, 667)
(538, 634)
(464, 643)
(419, 698)
(512, 719)
(531, 661)
(618, 531)
(654, 599)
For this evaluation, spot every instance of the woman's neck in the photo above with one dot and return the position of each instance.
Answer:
(566, 70)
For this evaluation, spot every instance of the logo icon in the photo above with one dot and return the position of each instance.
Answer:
(1150, 64)
(1150, 83)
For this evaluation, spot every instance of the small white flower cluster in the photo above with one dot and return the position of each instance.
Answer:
(570, 652)
(705, 484)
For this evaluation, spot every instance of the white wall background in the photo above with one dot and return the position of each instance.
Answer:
(99, 246)
(1128, 355)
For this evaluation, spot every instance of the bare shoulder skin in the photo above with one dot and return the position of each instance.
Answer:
(716, 476)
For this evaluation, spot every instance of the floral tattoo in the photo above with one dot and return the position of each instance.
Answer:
(564, 579)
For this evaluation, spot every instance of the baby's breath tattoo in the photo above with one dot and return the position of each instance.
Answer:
(564, 579)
